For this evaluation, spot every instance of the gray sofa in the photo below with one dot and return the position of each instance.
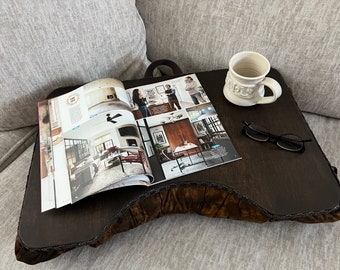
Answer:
(50, 44)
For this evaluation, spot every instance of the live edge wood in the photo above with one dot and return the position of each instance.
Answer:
(268, 184)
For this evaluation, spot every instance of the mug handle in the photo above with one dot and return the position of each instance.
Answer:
(275, 87)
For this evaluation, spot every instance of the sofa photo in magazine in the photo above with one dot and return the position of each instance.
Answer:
(102, 136)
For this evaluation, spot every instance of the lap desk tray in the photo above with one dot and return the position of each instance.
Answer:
(267, 184)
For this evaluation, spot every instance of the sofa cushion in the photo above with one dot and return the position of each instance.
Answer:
(326, 131)
(51, 44)
(301, 39)
(14, 142)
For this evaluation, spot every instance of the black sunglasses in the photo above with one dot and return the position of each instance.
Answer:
(289, 142)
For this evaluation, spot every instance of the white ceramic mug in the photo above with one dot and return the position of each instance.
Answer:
(246, 78)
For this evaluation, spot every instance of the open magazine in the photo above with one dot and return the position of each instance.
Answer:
(102, 136)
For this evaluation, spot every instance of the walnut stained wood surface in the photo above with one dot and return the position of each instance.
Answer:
(268, 184)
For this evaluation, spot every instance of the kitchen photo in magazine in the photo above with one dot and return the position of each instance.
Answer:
(102, 136)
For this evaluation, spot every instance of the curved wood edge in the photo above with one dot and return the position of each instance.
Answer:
(34, 256)
(209, 201)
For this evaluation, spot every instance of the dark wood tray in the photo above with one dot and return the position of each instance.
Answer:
(268, 184)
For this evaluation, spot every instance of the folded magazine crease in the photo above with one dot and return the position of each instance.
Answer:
(102, 136)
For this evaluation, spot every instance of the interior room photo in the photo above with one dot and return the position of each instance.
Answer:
(188, 140)
(157, 99)
(102, 152)
(104, 95)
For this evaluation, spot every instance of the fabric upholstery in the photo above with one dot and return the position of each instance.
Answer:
(14, 142)
(51, 44)
(327, 132)
(300, 38)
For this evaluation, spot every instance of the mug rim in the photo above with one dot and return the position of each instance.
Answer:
(232, 64)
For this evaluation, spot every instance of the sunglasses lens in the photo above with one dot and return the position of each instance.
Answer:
(257, 133)
(290, 142)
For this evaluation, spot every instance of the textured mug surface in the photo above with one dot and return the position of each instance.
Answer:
(246, 78)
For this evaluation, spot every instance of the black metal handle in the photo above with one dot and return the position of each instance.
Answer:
(162, 62)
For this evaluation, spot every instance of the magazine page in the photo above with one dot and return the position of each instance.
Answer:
(95, 141)
(46, 158)
(180, 128)
(131, 181)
